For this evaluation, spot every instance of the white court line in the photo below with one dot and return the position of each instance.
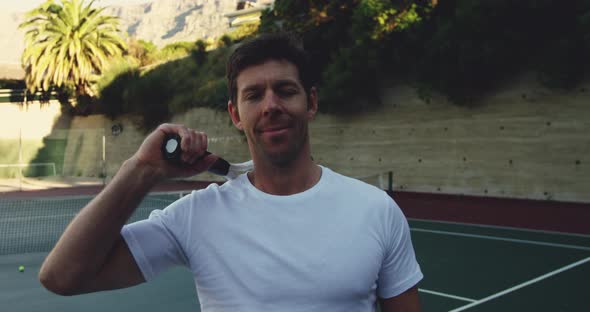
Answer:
(49, 199)
(179, 193)
(18, 219)
(432, 292)
(500, 227)
(161, 200)
(512, 240)
(519, 286)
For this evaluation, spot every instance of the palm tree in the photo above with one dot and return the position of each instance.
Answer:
(68, 45)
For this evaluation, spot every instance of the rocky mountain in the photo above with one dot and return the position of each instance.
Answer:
(159, 21)
(166, 21)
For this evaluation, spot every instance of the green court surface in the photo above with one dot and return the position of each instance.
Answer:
(466, 267)
(480, 268)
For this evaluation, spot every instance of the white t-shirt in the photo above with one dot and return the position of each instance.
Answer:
(333, 247)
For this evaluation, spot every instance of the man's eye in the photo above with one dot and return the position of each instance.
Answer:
(252, 96)
(287, 92)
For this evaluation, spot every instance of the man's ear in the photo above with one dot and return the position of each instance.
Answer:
(312, 103)
(234, 114)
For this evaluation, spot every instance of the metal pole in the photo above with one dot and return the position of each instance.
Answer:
(20, 159)
(20, 149)
(104, 164)
(390, 184)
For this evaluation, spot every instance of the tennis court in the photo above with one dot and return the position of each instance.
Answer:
(466, 267)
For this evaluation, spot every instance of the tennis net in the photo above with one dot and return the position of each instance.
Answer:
(35, 224)
(382, 180)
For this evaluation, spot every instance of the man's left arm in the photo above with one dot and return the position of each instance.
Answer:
(407, 301)
(400, 272)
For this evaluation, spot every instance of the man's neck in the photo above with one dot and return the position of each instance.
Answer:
(299, 176)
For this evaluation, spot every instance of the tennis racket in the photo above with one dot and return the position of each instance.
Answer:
(171, 151)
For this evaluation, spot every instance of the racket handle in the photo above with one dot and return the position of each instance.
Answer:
(219, 167)
(171, 151)
(171, 147)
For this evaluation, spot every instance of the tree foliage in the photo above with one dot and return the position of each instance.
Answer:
(469, 47)
(460, 48)
(68, 45)
(173, 87)
(244, 31)
(143, 51)
(345, 39)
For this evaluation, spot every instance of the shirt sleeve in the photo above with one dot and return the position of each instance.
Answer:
(400, 270)
(157, 243)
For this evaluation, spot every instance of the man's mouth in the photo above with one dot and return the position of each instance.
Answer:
(274, 130)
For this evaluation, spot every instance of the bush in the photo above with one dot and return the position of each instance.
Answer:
(459, 48)
(467, 48)
(350, 81)
(143, 51)
(462, 49)
(175, 50)
(171, 88)
(114, 96)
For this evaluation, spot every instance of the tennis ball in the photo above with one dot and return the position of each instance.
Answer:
(21, 268)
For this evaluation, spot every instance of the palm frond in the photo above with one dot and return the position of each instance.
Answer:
(68, 43)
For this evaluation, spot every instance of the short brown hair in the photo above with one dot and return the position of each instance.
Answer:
(283, 47)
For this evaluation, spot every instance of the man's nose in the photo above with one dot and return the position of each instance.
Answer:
(272, 104)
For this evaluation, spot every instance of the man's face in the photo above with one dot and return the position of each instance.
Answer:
(273, 110)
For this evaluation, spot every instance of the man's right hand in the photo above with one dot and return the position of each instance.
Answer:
(193, 145)
(91, 255)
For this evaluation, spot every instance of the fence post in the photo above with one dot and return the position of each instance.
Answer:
(390, 182)
(20, 159)
(104, 164)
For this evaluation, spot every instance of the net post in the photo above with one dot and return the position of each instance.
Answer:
(104, 163)
(390, 181)
(20, 156)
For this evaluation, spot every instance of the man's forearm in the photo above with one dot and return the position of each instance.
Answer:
(408, 301)
(83, 248)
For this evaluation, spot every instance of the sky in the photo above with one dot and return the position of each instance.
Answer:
(24, 5)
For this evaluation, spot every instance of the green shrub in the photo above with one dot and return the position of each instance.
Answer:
(462, 49)
(145, 52)
(175, 50)
(114, 96)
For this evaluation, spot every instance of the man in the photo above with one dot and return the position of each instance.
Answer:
(288, 236)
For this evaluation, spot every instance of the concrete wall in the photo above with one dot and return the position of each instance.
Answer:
(84, 150)
(224, 139)
(23, 128)
(523, 141)
(33, 120)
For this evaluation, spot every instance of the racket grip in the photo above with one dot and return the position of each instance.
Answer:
(219, 167)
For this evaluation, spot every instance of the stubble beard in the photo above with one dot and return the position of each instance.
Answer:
(285, 158)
